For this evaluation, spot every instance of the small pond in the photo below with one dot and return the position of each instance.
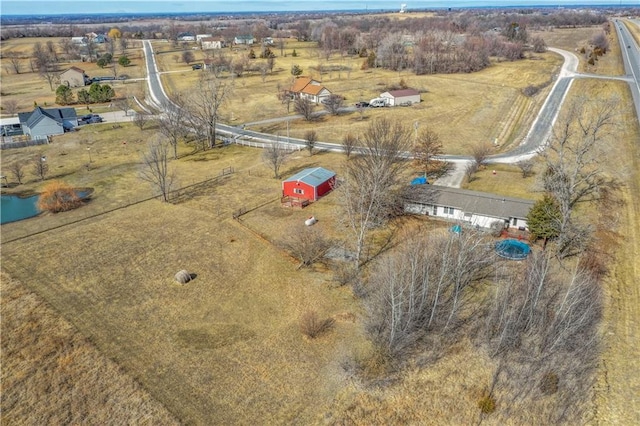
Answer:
(14, 207)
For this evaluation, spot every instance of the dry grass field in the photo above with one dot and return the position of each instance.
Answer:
(28, 87)
(226, 348)
(51, 374)
(465, 109)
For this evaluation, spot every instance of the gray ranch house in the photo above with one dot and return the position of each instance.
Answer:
(41, 122)
(476, 208)
(74, 77)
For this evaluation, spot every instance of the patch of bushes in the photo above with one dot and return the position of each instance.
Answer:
(487, 404)
(312, 326)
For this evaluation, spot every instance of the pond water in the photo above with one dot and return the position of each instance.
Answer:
(14, 208)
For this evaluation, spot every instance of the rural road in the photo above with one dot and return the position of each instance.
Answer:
(535, 140)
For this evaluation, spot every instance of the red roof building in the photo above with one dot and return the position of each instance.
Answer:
(309, 184)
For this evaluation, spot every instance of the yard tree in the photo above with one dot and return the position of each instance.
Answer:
(10, 106)
(155, 168)
(40, 166)
(572, 163)
(124, 61)
(172, 124)
(140, 119)
(307, 244)
(123, 104)
(526, 167)
(101, 93)
(333, 103)
(188, 57)
(419, 290)
(17, 170)
(543, 219)
(369, 193)
(58, 196)
(271, 62)
(310, 138)
(349, 143)
(204, 106)
(64, 95)
(304, 107)
(15, 61)
(296, 70)
(49, 72)
(426, 147)
(114, 33)
(275, 155)
(84, 97)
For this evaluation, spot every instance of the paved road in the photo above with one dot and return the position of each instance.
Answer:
(535, 140)
(631, 57)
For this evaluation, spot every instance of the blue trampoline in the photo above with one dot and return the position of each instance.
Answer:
(512, 249)
(419, 181)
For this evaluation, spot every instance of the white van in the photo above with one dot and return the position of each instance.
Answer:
(378, 102)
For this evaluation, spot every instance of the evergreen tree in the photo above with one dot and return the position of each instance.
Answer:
(64, 95)
(543, 219)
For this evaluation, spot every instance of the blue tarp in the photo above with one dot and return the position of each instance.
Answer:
(419, 181)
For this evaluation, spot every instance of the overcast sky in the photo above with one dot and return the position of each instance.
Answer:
(47, 7)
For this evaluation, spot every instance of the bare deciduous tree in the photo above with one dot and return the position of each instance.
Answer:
(480, 154)
(470, 171)
(526, 167)
(275, 155)
(10, 106)
(141, 119)
(123, 104)
(172, 123)
(420, 289)
(349, 143)
(310, 138)
(368, 192)
(15, 61)
(543, 328)
(155, 168)
(40, 166)
(17, 170)
(307, 244)
(304, 107)
(204, 106)
(572, 163)
(425, 149)
(334, 103)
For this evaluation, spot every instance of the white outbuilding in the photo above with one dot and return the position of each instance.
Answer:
(401, 97)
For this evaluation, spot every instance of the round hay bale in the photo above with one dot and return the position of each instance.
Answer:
(183, 277)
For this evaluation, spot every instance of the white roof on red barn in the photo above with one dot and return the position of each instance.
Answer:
(314, 177)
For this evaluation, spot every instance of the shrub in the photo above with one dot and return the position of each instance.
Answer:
(58, 196)
(312, 326)
(487, 404)
(549, 383)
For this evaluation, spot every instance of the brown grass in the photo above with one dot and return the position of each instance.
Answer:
(225, 348)
(28, 87)
(51, 374)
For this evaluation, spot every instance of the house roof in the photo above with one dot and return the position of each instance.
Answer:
(244, 37)
(58, 114)
(403, 92)
(76, 69)
(300, 83)
(468, 201)
(307, 85)
(314, 177)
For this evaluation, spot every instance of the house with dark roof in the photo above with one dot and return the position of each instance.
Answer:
(476, 208)
(41, 122)
(309, 184)
(401, 97)
(310, 89)
(74, 77)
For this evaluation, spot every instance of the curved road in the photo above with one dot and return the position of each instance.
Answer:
(535, 140)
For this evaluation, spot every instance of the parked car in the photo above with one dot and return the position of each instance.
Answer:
(90, 119)
(196, 67)
(362, 104)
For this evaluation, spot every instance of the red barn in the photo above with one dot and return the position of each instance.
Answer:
(309, 184)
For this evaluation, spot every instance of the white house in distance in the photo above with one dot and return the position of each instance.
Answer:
(209, 43)
(201, 36)
(244, 39)
(476, 208)
(401, 97)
